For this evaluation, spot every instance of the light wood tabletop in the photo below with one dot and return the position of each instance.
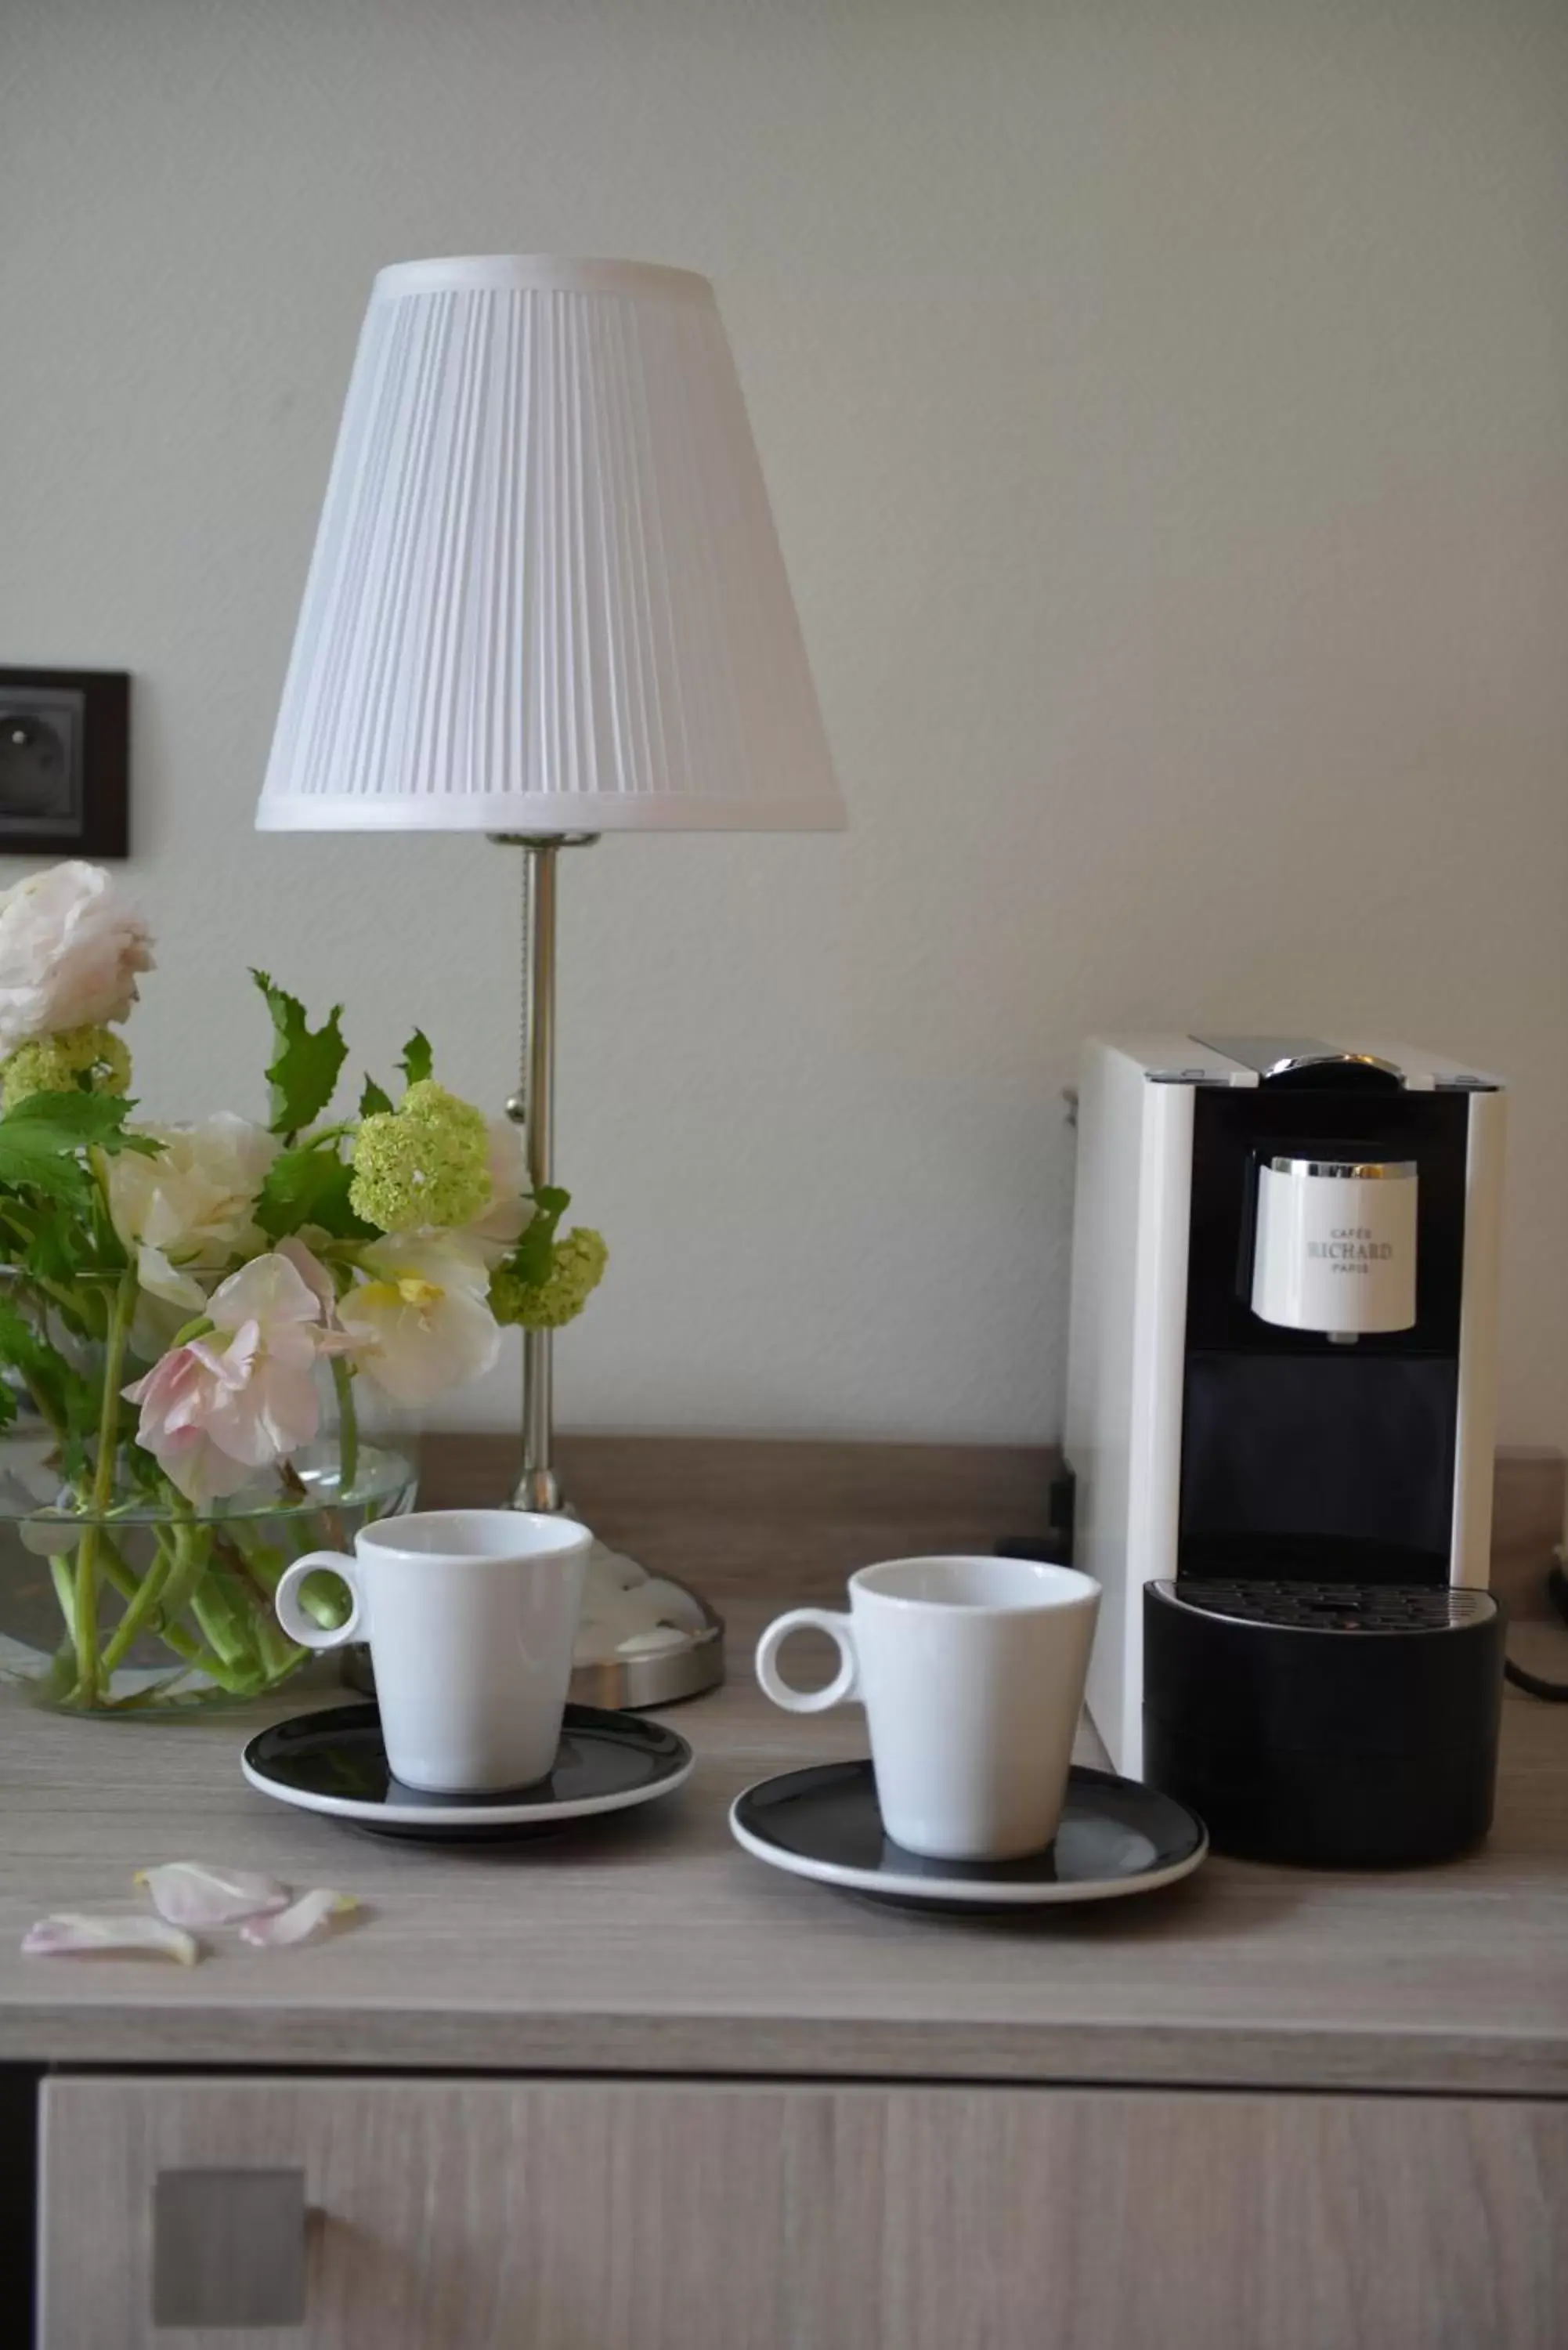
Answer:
(652, 1944)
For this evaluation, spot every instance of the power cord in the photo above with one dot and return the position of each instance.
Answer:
(1532, 1684)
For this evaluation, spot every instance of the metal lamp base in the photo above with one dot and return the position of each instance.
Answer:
(619, 1684)
(634, 1683)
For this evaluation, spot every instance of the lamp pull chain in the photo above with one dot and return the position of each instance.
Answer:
(518, 1103)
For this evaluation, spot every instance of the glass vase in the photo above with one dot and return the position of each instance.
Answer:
(149, 1609)
(118, 1596)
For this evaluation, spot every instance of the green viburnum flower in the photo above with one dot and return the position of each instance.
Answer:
(577, 1268)
(425, 1162)
(57, 1065)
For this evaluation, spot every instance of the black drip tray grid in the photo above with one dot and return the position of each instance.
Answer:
(1336, 1607)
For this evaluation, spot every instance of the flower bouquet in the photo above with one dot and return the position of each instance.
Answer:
(184, 1311)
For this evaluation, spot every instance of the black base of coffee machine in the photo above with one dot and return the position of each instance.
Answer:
(1333, 1725)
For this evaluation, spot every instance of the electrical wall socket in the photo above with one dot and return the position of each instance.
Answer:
(65, 762)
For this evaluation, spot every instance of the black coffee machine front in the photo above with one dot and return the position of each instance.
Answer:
(1280, 1432)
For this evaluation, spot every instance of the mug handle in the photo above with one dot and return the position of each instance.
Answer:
(292, 1615)
(846, 1681)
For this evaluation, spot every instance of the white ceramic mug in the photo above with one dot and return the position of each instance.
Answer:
(471, 1615)
(972, 1673)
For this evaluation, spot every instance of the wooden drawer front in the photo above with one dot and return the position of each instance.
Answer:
(657, 2215)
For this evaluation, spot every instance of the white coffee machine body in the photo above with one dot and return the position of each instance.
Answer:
(1282, 1336)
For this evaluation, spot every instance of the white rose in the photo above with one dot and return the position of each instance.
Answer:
(70, 948)
(193, 1209)
(421, 1322)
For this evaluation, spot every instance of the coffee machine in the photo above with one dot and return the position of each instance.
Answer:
(1280, 1434)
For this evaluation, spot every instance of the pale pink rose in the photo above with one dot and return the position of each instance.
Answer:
(178, 1396)
(70, 949)
(212, 1415)
(314, 1274)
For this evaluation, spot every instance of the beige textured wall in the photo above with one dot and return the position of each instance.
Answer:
(1165, 408)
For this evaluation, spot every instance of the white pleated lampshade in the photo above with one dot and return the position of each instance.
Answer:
(547, 594)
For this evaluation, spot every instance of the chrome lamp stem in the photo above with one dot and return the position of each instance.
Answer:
(533, 1108)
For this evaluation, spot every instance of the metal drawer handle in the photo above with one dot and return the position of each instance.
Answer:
(228, 2248)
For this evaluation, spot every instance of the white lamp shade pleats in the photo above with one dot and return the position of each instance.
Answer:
(547, 594)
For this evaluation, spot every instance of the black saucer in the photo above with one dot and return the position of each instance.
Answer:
(1116, 1837)
(334, 1761)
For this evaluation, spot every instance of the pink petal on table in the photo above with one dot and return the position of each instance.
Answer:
(305, 1921)
(190, 1893)
(72, 1933)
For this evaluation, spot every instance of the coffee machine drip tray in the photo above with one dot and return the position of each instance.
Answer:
(1338, 1607)
(1339, 1724)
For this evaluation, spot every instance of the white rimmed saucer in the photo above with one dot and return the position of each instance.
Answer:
(334, 1761)
(1116, 1837)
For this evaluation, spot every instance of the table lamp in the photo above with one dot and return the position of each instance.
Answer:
(546, 602)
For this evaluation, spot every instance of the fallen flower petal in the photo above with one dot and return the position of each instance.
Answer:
(70, 1933)
(190, 1893)
(305, 1921)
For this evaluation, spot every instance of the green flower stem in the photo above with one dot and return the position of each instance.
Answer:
(137, 1613)
(189, 1559)
(279, 1654)
(65, 1590)
(85, 1624)
(117, 1569)
(348, 1426)
(223, 1606)
(175, 1573)
(276, 1650)
(185, 1573)
(123, 1579)
(219, 1620)
(262, 1562)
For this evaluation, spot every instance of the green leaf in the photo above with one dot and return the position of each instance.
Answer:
(304, 1068)
(70, 1400)
(55, 1250)
(373, 1101)
(38, 1146)
(60, 1178)
(530, 1260)
(73, 1118)
(310, 1186)
(418, 1059)
(75, 1121)
(57, 1244)
(40, 1140)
